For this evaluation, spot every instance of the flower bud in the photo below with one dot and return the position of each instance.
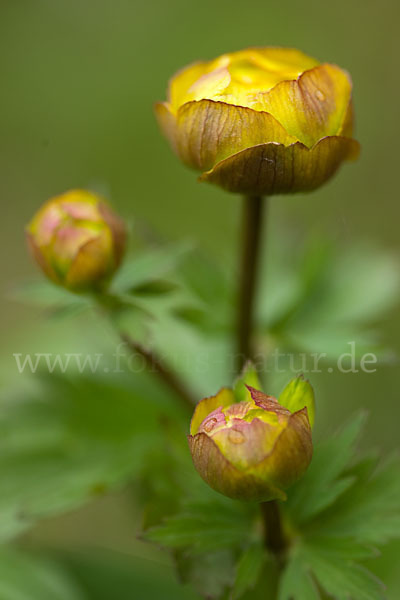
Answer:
(250, 450)
(77, 240)
(261, 121)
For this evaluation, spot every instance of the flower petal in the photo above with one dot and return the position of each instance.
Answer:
(181, 82)
(92, 263)
(274, 168)
(312, 106)
(117, 229)
(167, 122)
(41, 257)
(248, 376)
(247, 444)
(289, 61)
(268, 403)
(348, 121)
(291, 453)
(226, 479)
(208, 132)
(225, 397)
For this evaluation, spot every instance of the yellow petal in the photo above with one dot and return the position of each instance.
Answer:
(225, 397)
(288, 61)
(92, 263)
(209, 86)
(348, 121)
(41, 257)
(311, 107)
(208, 132)
(182, 81)
(274, 168)
(236, 77)
(167, 122)
(291, 454)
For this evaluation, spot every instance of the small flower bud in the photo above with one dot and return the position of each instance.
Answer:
(77, 240)
(261, 121)
(249, 450)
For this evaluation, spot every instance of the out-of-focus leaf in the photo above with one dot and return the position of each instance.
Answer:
(331, 298)
(266, 587)
(325, 480)
(106, 575)
(370, 510)
(56, 300)
(148, 266)
(213, 290)
(155, 288)
(202, 358)
(72, 439)
(249, 376)
(334, 569)
(340, 577)
(204, 526)
(248, 569)
(297, 394)
(297, 583)
(25, 577)
(210, 574)
(341, 510)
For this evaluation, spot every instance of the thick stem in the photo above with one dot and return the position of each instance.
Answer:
(253, 208)
(274, 537)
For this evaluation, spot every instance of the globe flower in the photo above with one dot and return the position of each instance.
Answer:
(250, 450)
(261, 121)
(77, 240)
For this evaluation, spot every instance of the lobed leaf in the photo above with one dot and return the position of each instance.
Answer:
(248, 569)
(324, 481)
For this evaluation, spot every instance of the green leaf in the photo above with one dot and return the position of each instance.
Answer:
(248, 569)
(329, 296)
(369, 511)
(340, 577)
(71, 439)
(212, 288)
(25, 577)
(56, 300)
(341, 511)
(248, 376)
(148, 266)
(104, 575)
(204, 526)
(210, 574)
(330, 564)
(296, 395)
(155, 288)
(325, 479)
(297, 583)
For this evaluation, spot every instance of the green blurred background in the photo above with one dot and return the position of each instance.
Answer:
(78, 82)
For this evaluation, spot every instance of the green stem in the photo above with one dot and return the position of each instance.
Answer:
(166, 375)
(274, 536)
(111, 305)
(253, 209)
(253, 212)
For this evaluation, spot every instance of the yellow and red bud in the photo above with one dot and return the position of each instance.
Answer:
(77, 240)
(254, 449)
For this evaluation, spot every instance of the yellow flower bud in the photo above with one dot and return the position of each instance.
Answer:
(261, 121)
(77, 240)
(249, 450)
